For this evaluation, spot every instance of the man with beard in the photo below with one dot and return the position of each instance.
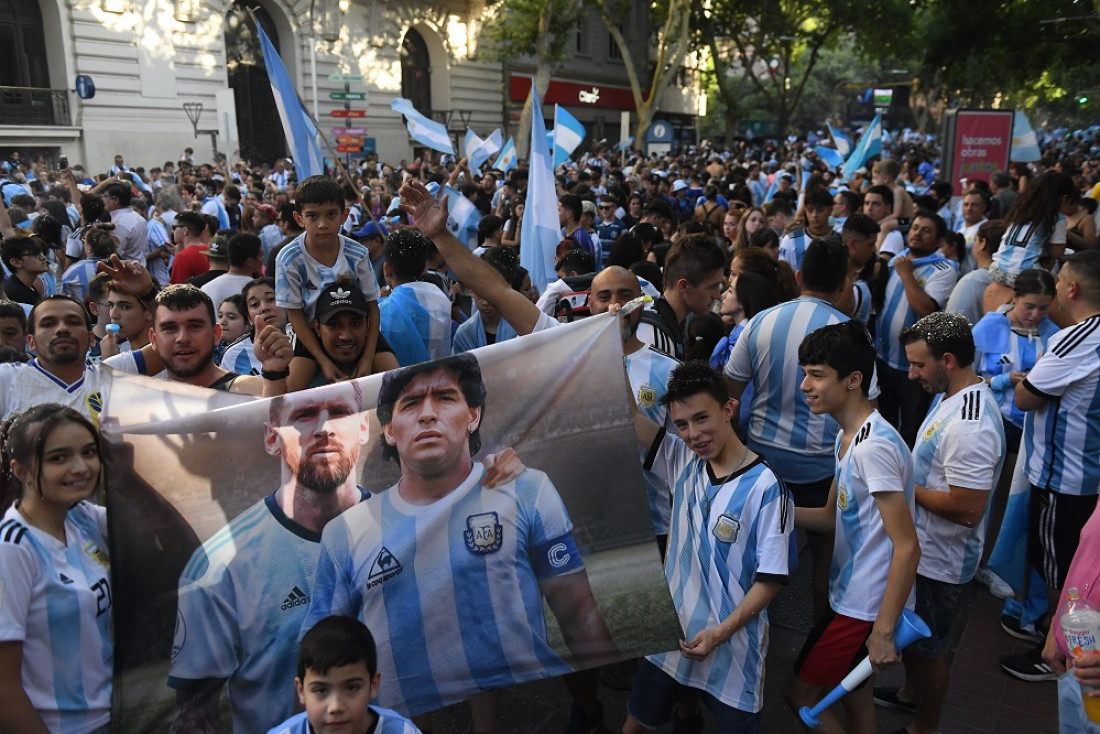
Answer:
(182, 344)
(244, 593)
(57, 330)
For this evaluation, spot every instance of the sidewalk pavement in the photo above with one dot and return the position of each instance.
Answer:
(980, 697)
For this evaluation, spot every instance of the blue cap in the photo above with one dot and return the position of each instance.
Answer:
(370, 229)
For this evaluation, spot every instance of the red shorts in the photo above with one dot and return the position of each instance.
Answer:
(833, 648)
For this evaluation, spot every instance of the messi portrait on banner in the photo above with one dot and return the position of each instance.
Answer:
(483, 514)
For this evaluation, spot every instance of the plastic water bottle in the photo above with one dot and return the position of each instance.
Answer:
(1081, 626)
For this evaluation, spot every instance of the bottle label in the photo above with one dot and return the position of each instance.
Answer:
(1081, 642)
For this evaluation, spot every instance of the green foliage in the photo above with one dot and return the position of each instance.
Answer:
(1026, 54)
(513, 28)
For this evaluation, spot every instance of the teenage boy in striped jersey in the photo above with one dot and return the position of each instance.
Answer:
(1061, 396)
(870, 509)
(730, 549)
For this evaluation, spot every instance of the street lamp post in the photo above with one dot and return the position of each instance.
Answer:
(193, 110)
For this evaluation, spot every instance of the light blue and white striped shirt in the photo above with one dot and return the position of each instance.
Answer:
(1022, 245)
(725, 535)
(877, 461)
(648, 370)
(242, 598)
(389, 722)
(961, 443)
(1063, 434)
(1001, 351)
(937, 276)
(797, 443)
(454, 585)
(300, 278)
(75, 279)
(56, 602)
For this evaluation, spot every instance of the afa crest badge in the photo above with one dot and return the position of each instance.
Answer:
(647, 397)
(483, 533)
(727, 527)
(842, 497)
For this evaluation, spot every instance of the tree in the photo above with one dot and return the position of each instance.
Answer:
(1025, 54)
(518, 26)
(674, 40)
(776, 44)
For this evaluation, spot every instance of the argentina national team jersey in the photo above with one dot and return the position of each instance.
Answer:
(300, 278)
(23, 386)
(1022, 245)
(1000, 351)
(56, 602)
(793, 246)
(725, 536)
(451, 590)
(861, 292)
(877, 461)
(242, 598)
(795, 442)
(1062, 435)
(239, 357)
(962, 444)
(648, 371)
(389, 722)
(937, 276)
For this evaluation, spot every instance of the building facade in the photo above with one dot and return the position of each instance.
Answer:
(148, 58)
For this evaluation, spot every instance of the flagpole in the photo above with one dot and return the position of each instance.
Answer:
(335, 155)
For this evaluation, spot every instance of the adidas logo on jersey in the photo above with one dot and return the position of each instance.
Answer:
(385, 567)
(295, 598)
(65, 579)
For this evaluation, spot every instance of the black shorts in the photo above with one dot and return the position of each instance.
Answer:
(301, 351)
(938, 605)
(811, 494)
(1054, 528)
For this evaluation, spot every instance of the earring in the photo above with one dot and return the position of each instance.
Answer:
(851, 387)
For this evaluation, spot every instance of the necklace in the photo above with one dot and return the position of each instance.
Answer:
(708, 498)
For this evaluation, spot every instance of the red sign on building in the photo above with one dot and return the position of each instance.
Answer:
(980, 142)
(571, 94)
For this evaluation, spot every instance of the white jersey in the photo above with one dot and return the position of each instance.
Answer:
(224, 286)
(300, 279)
(1023, 245)
(389, 722)
(239, 357)
(726, 535)
(242, 598)
(454, 584)
(961, 443)
(648, 371)
(56, 602)
(1062, 436)
(892, 243)
(793, 246)
(23, 386)
(877, 461)
(937, 276)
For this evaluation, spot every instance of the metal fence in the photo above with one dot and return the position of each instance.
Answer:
(33, 106)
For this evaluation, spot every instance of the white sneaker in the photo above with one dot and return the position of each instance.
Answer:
(998, 587)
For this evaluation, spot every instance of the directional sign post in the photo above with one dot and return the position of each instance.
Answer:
(348, 138)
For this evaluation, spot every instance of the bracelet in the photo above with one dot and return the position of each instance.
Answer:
(275, 374)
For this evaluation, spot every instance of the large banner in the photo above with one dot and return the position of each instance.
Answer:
(976, 144)
(484, 515)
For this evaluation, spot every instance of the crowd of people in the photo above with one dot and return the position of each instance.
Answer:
(873, 361)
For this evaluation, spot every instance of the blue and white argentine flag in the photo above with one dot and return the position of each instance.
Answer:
(1025, 147)
(541, 231)
(302, 137)
(462, 217)
(870, 145)
(478, 151)
(568, 134)
(506, 161)
(422, 129)
(842, 142)
(832, 158)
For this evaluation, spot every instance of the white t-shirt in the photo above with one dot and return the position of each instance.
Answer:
(961, 443)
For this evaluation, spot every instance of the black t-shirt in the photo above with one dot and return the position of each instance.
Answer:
(19, 292)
